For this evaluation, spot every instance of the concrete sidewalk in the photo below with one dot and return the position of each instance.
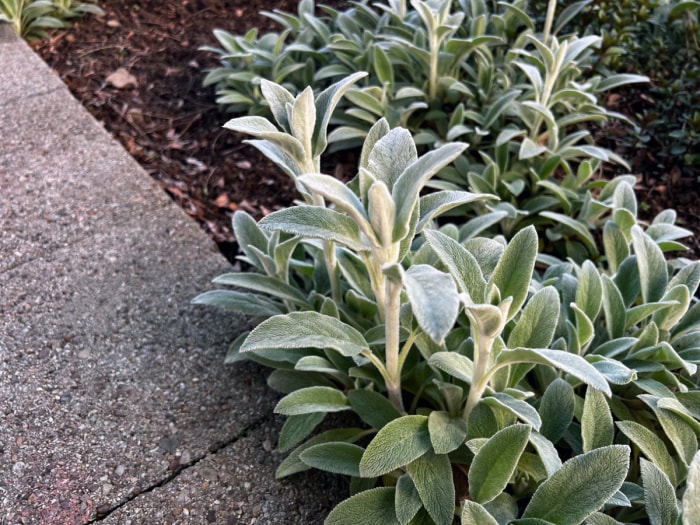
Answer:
(114, 404)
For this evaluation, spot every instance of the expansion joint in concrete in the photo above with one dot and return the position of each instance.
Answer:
(213, 450)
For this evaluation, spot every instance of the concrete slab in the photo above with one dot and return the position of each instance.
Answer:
(113, 401)
(236, 486)
(24, 73)
(61, 177)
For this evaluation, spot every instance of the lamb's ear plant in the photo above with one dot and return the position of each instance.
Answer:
(494, 384)
(31, 18)
(485, 73)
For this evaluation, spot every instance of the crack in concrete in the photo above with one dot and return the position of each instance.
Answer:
(182, 468)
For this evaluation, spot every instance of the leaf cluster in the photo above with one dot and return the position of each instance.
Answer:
(659, 39)
(473, 71)
(31, 18)
(495, 384)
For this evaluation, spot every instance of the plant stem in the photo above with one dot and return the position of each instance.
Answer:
(549, 21)
(480, 379)
(434, 55)
(391, 334)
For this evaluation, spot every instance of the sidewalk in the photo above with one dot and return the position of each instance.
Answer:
(115, 407)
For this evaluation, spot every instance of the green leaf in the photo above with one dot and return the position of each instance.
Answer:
(248, 234)
(454, 364)
(390, 155)
(613, 370)
(529, 150)
(598, 518)
(305, 330)
(335, 191)
(439, 202)
(262, 128)
(296, 428)
(277, 98)
(581, 486)
(613, 309)
(475, 514)
(676, 429)
(589, 294)
(326, 101)
(615, 245)
(447, 433)
(397, 444)
(432, 476)
(381, 210)
(374, 408)
(620, 79)
(316, 222)
(513, 272)
(312, 399)
(280, 157)
(495, 462)
(370, 507)
(407, 501)
(538, 321)
(519, 408)
(556, 409)
(546, 452)
(264, 284)
(691, 498)
(572, 364)
(668, 317)
(245, 303)
(293, 464)
(653, 272)
(383, 67)
(578, 227)
(651, 445)
(596, 422)
(434, 300)
(339, 458)
(406, 191)
(303, 119)
(659, 495)
(460, 263)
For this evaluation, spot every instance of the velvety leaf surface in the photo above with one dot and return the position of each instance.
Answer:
(496, 461)
(432, 475)
(371, 507)
(396, 445)
(581, 486)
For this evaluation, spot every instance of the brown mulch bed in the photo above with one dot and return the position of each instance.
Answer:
(172, 126)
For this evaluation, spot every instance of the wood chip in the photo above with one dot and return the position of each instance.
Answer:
(122, 79)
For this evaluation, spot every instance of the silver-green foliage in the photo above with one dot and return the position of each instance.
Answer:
(565, 390)
(476, 71)
(31, 18)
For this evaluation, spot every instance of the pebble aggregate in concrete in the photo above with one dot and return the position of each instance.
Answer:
(114, 404)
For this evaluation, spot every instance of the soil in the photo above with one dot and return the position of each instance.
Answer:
(171, 125)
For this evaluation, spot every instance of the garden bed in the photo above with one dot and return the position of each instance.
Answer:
(172, 126)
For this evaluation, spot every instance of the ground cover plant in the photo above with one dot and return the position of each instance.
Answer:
(495, 385)
(31, 18)
(659, 39)
(172, 126)
(479, 74)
